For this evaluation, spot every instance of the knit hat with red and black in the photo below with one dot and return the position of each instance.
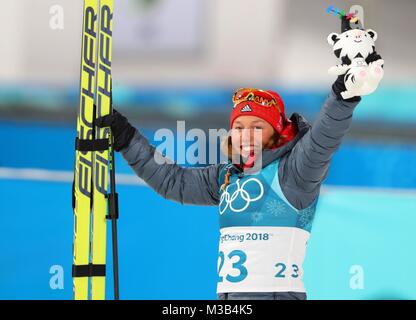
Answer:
(267, 105)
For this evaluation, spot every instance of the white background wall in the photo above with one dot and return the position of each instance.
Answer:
(245, 42)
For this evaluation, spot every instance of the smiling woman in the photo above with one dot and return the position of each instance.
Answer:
(272, 194)
(257, 123)
(279, 202)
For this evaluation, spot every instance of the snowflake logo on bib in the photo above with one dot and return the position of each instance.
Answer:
(275, 207)
(256, 216)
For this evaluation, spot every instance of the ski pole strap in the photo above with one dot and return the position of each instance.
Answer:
(88, 270)
(113, 206)
(91, 145)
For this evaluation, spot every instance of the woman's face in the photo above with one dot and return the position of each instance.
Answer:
(250, 133)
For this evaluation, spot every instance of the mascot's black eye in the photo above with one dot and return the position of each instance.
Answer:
(347, 36)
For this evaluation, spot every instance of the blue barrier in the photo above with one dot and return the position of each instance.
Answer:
(392, 104)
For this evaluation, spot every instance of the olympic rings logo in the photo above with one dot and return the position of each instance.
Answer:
(229, 199)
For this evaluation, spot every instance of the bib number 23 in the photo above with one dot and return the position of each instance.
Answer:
(239, 266)
(242, 257)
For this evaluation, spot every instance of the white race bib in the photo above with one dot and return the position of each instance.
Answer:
(261, 259)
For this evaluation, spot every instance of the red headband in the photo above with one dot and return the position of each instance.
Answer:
(267, 105)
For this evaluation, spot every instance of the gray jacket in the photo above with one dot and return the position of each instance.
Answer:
(303, 165)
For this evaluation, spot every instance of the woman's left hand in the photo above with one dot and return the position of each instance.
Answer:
(362, 78)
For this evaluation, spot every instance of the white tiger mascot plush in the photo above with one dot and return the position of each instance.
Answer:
(362, 66)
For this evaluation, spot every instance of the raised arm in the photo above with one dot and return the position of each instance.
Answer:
(197, 186)
(306, 166)
(302, 172)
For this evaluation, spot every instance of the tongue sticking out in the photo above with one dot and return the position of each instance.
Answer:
(249, 162)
